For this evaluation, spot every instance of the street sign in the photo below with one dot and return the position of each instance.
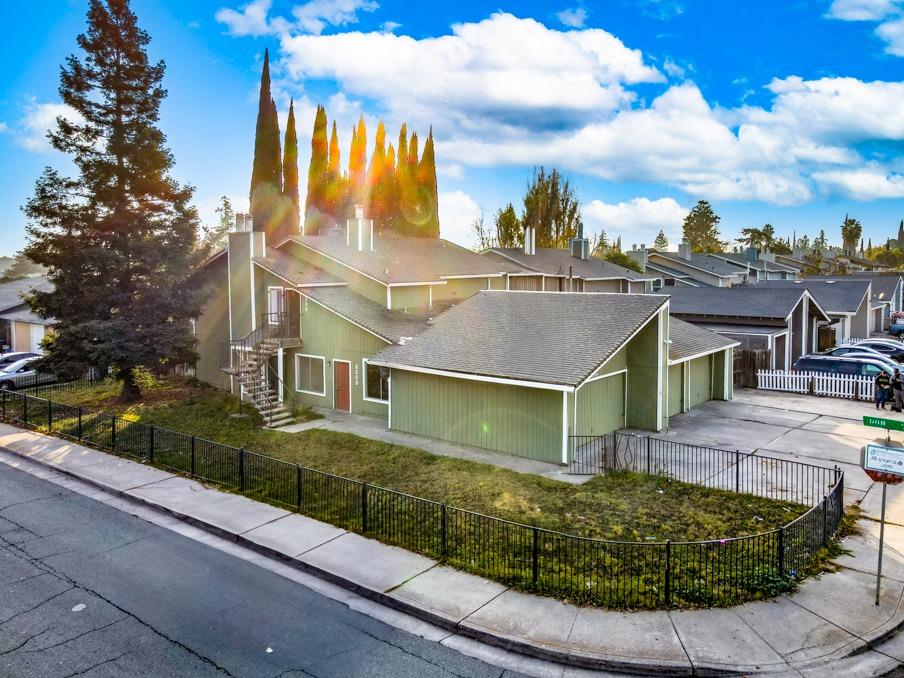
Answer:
(882, 458)
(882, 422)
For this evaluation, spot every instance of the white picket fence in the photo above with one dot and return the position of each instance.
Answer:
(850, 340)
(816, 383)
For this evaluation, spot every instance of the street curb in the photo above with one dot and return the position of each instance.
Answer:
(542, 652)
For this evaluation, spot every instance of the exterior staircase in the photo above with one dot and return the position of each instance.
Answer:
(248, 359)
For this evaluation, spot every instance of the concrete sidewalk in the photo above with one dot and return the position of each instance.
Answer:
(829, 625)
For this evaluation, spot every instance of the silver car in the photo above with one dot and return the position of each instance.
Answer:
(22, 373)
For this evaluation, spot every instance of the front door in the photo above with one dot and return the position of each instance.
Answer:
(341, 386)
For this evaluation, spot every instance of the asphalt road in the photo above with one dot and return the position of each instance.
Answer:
(88, 590)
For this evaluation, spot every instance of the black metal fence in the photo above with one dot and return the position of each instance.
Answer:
(611, 573)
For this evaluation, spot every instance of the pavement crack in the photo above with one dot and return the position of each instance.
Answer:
(29, 501)
(94, 666)
(35, 607)
(81, 635)
(406, 651)
(24, 642)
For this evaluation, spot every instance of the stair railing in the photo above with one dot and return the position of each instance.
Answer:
(282, 392)
(272, 326)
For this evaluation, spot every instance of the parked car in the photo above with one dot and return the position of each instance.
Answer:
(22, 373)
(865, 367)
(850, 349)
(896, 328)
(892, 350)
(9, 358)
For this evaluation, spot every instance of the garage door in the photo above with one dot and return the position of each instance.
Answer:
(676, 389)
(601, 406)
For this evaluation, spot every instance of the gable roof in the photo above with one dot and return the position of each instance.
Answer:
(391, 326)
(549, 338)
(557, 262)
(295, 271)
(835, 295)
(760, 264)
(705, 262)
(755, 301)
(11, 292)
(884, 284)
(689, 341)
(399, 260)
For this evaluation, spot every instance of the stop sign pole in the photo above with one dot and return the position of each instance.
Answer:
(883, 464)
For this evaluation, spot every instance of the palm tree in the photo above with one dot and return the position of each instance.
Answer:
(851, 230)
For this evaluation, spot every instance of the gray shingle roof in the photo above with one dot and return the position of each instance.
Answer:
(703, 261)
(755, 301)
(406, 260)
(556, 262)
(550, 338)
(686, 340)
(393, 326)
(11, 292)
(23, 314)
(298, 272)
(835, 295)
(884, 284)
(760, 264)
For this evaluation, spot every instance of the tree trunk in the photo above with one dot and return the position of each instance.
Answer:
(130, 390)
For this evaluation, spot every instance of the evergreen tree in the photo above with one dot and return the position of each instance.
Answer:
(357, 164)
(335, 198)
(552, 208)
(803, 243)
(599, 244)
(701, 228)
(316, 214)
(814, 263)
(288, 224)
(375, 182)
(409, 196)
(821, 243)
(22, 267)
(266, 186)
(215, 237)
(661, 243)
(509, 232)
(901, 234)
(428, 190)
(120, 239)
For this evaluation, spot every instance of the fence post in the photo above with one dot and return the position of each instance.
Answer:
(151, 445)
(49, 415)
(811, 387)
(4, 403)
(192, 467)
(668, 573)
(781, 551)
(443, 532)
(737, 471)
(364, 508)
(79, 426)
(25, 409)
(241, 469)
(648, 455)
(857, 389)
(113, 434)
(299, 483)
(535, 560)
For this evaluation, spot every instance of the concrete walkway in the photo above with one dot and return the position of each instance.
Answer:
(829, 625)
(375, 428)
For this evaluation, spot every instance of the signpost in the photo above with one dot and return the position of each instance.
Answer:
(884, 464)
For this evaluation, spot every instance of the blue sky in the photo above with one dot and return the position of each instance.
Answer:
(786, 112)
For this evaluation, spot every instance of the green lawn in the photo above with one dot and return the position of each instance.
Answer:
(622, 506)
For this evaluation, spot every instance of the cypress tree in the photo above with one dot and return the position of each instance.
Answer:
(290, 177)
(335, 186)
(357, 164)
(265, 172)
(376, 179)
(409, 217)
(120, 238)
(428, 190)
(315, 206)
(901, 234)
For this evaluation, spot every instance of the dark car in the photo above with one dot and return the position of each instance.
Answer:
(8, 359)
(865, 367)
(885, 347)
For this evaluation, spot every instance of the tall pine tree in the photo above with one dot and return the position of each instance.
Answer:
(119, 239)
(428, 191)
(357, 164)
(701, 228)
(376, 188)
(316, 216)
(335, 183)
(266, 187)
(289, 223)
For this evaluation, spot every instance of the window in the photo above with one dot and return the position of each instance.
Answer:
(376, 383)
(310, 374)
(871, 370)
(848, 367)
(275, 303)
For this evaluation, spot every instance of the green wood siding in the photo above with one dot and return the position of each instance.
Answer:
(700, 381)
(603, 286)
(212, 327)
(601, 406)
(462, 288)
(647, 373)
(497, 283)
(676, 389)
(366, 287)
(240, 283)
(532, 283)
(525, 422)
(328, 335)
(410, 297)
(723, 377)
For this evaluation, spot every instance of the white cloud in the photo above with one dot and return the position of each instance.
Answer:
(893, 34)
(457, 212)
(4, 128)
(673, 69)
(868, 183)
(390, 26)
(575, 17)
(310, 17)
(637, 221)
(39, 119)
(861, 10)
(451, 170)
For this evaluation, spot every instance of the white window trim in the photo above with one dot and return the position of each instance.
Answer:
(322, 360)
(270, 311)
(364, 384)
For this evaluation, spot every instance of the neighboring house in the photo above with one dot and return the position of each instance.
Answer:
(847, 300)
(783, 320)
(762, 266)
(887, 292)
(21, 329)
(522, 372)
(701, 269)
(307, 317)
(573, 270)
